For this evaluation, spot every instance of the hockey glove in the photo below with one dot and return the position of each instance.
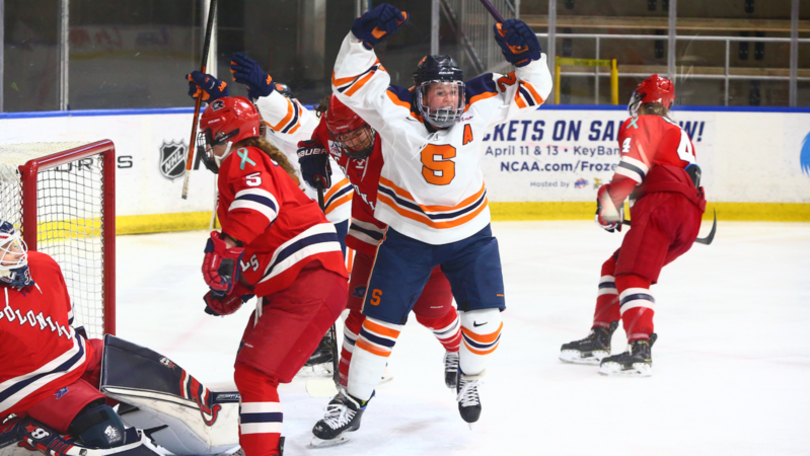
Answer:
(373, 26)
(607, 215)
(206, 85)
(218, 306)
(221, 265)
(314, 161)
(518, 42)
(248, 72)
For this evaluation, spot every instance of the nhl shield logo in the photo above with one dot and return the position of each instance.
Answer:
(173, 159)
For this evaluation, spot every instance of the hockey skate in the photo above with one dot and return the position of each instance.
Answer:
(635, 362)
(320, 363)
(591, 349)
(342, 416)
(469, 403)
(450, 369)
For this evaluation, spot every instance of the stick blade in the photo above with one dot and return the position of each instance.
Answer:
(321, 387)
(710, 237)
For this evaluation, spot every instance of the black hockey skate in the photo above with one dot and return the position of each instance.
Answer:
(320, 362)
(450, 369)
(342, 416)
(636, 361)
(469, 403)
(591, 349)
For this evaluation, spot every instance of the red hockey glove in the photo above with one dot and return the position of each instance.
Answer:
(218, 306)
(221, 265)
(607, 215)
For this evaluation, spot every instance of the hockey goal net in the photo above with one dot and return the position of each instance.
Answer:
(62, 197)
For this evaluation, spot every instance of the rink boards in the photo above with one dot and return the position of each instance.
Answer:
(546, 165)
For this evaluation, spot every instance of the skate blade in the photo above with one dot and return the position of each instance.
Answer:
(575, 357)
(615, 370)
(321, 387)
(320, 443)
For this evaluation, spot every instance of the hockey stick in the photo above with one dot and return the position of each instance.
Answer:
(494, 12)
(318, 387)
(212, 11)
(706, 240)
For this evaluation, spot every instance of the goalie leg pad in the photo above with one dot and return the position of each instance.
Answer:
(185, 417)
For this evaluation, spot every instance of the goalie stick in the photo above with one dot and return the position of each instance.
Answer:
(212, 11)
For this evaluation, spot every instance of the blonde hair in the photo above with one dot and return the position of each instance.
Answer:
(262, 144)
(655, 109)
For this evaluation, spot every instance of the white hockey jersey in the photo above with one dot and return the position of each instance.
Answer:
(288, 122)
(431, 186)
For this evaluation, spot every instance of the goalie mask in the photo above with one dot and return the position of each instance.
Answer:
(225, 122)
(654, 89)
(13, 258)
(439, 90)
(351, 133)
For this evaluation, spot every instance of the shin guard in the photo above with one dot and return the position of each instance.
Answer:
(260, 414)
(371, 352)
(607, 301)
(446, 328)
(481, 333)
(637, 306)
(354, 322)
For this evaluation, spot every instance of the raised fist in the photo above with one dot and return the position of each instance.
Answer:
(248, 72)
(518, 42)
(206, 85)
(373, 26)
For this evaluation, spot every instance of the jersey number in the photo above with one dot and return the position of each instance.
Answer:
(685, 150)
(437, 168)
(253, 180)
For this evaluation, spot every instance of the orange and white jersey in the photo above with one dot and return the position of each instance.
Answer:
(289, 122)
(431, 186)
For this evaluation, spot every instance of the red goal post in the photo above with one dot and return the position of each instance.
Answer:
(62, 197)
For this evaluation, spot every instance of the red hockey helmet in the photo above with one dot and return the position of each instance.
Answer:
(226, 120)
(654, 89)
(353, 134)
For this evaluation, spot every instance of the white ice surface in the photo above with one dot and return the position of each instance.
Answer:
(731, 365)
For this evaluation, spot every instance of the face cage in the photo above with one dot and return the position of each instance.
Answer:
(440, 117)
(368, 136)
(205, 144)
(12, 273)
(634, 104)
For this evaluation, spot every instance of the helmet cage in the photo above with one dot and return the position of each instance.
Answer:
(441, 117)
(363, 137)
(13, 272)
(634, 103)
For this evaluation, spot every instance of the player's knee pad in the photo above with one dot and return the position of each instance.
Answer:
(257, 382)
(98, 426)
(609, 266)
(481, 334)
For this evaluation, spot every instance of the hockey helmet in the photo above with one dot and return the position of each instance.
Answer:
(283, 89)
(439, 86)
(654, 89)
(227, 120)
(13, 258)
(351, 133)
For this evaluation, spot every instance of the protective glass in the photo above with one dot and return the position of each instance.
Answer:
(441, 102)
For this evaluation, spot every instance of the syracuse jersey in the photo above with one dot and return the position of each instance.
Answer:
(431, 186)
(282, 229)
(288, 122)
(365, 232)
(40, 353)
(655, 154)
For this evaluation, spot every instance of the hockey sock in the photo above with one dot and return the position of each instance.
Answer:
(371, 352)
(607, 302)
(446, 328)
(260, 414)
(350, 331)
(637, 306)
(481, 333)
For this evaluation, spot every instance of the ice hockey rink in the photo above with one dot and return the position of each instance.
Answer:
(731, 365)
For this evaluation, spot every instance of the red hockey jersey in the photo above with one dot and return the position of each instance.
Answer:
(282, 229)
(40, 352)
(655, 154)
(365, 232)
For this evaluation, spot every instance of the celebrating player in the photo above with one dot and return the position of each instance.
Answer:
(431, 194)
(356, 148)
(658, 170)
(275, 243)
(50, 372)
